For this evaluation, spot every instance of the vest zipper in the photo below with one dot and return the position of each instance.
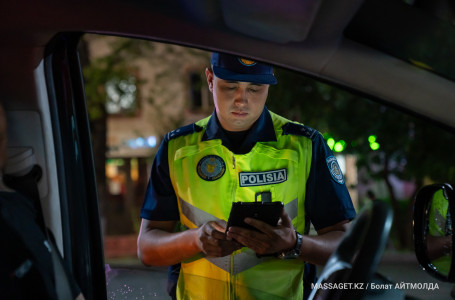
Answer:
(232, 295)
(231, 279)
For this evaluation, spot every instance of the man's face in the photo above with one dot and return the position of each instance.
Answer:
(238, 104)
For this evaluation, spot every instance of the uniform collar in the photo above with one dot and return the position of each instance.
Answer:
(262, 131)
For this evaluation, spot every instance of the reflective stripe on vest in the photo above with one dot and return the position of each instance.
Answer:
(207, 179)
(198, 217)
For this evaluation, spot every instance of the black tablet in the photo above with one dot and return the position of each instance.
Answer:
(268, 212)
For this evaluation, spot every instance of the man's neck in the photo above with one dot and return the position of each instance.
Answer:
(236, 139)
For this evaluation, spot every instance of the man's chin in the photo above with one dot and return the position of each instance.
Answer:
(240, 125)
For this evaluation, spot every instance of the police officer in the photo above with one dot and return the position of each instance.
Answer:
(242, 150)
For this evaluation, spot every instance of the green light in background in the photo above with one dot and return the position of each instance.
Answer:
(331, 143)
(338, 147)
(115, 161)
(372, 139)
(374, 146)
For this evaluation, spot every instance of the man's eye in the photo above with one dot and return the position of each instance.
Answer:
(252, 90)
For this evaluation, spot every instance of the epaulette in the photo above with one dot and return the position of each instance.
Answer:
(185, 130)
(298, 129)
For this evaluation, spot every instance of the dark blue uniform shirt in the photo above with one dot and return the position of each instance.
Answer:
(327, 199)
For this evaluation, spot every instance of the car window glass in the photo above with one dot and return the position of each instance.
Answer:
(137, 91)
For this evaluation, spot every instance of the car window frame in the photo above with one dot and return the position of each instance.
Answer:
(82, 239)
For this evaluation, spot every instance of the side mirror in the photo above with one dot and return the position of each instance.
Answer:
(434, 213)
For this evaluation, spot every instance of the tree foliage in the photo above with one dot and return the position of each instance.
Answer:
(410, 148)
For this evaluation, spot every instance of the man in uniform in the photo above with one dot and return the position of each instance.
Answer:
(241, 151)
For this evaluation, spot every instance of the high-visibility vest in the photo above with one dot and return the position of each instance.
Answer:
(207, 177)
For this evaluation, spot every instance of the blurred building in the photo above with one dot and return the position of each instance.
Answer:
(164, 88)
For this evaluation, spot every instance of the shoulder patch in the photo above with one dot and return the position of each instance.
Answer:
(299, 129)
(334, 169)
(182, 131)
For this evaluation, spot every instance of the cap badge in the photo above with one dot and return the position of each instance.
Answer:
(247, 62)
(211, 167)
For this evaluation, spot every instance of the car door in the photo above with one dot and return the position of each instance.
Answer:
(81, 233)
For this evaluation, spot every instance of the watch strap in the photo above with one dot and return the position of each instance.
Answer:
(294, 252)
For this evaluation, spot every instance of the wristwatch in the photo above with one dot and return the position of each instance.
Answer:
(295, 252)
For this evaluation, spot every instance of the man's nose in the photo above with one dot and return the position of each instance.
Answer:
(241, 97)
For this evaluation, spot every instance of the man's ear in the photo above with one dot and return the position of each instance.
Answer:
(209, 75)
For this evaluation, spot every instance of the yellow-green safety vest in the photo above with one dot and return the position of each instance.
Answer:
(207, 177)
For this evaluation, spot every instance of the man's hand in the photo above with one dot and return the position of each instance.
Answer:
(270, 239)
(212, 239)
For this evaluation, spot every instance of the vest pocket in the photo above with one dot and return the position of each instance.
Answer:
(194, 149)
(267, 169)
(201, 178)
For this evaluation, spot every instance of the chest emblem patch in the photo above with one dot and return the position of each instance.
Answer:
(334, 169)
(262, 178)
(211, 167)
